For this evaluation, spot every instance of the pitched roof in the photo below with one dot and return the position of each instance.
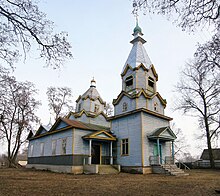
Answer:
(70, 124)
(216, 154)
(164, 133)
(82, 125)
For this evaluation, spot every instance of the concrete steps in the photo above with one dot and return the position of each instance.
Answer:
(173, 170)
(168, 170)
(107, 169)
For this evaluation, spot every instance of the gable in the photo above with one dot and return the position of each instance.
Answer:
(100, 135)
(159, 98)
(59, 124)
(41, 130)
(164, 133)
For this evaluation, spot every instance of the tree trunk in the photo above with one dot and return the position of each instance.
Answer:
(211, 157)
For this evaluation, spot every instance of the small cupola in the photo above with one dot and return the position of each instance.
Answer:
(93, 83)
(137, 29)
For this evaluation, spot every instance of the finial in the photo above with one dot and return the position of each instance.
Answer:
(136, 19)
(93, 83)
(137, 29)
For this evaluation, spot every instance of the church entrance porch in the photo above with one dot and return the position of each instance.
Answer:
(100, 147)
(163, 146)
(100, 158)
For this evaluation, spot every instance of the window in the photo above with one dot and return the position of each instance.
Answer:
(41, 149)
(155, 107)
(63, 150)
(129, 81)
(31, 150)
(54, 144)
(151, 82)
(96, 108)
(79, 107)
(125, 107)
(124, 147)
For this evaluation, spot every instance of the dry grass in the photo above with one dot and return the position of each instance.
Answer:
(30, 182)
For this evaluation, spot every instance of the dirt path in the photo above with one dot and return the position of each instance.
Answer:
(29, 182)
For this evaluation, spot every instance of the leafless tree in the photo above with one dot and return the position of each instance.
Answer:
(180, 144)
(59, 100)
(108, 110)
(209, 53)
(189, 13)
(22, 25)
(17, 114)
(199, 95)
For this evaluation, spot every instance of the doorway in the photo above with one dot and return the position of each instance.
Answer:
(96, 154)
(156, 153)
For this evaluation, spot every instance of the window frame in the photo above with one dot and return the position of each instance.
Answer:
(63, 144)
(124, 106)
(96, 108)
(32, 150)
(42, 149)
(54, 147)
(151, 82)
(125, 147)
(129, 79)
(155, 107)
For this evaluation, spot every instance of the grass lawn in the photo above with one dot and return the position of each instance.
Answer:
(31, 182)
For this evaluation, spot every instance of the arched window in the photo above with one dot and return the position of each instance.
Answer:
(125, 107)
(155, 107)
(96, 109)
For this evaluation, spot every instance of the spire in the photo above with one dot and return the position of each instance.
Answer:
(93, 83)
(138, 54)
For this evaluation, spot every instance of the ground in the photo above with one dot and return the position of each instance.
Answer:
(31, 182)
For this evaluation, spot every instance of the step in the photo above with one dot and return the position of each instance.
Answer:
(107, 169)
(171, 170)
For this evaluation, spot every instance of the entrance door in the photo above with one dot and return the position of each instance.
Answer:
(96, 154)
(156, 153)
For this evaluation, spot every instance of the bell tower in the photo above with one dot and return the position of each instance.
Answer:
(139, 80)
(138, 72)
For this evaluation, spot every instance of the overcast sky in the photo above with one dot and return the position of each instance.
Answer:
(100, 32)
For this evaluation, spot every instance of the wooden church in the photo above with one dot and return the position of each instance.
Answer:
(135, 139)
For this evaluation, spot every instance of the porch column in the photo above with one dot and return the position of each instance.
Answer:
(173, 151)
(90, 152)
(111, 157)
(158, 149)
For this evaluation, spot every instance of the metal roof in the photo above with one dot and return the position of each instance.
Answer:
(138, 54)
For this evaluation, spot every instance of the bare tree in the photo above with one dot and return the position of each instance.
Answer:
(209, 53)
(108, 110)
(59, 100)
(17, 114)
(188, 13)
(23, 24)
(180, 144)
(199, 95)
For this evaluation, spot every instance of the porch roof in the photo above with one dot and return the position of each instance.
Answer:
(100, 135)
(163, 133)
